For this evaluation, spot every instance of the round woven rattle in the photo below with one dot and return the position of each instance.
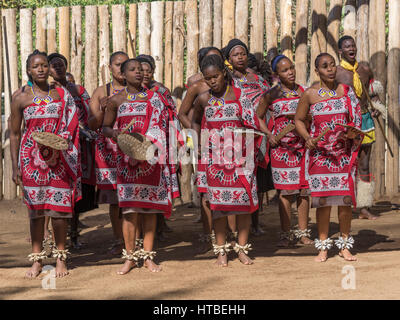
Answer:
(134, 145)
(51, 140)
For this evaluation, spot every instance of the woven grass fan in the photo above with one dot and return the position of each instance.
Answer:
(134, 145)
(51, 140)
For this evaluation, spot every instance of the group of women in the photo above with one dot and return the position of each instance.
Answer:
(244, 119)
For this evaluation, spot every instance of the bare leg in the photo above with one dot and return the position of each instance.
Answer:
(364, 172)
(46, 227)
(149, 230)
(260, 201)
(74, 231)
(303, 205)
(345, 216)
(60, 226)
(139, 229)
(243, 223)
(285, 213)
(323, 219)
(207, 224)
(116, 223)
(233, 227)
(37, 232)
(220, 226)
(129, 225)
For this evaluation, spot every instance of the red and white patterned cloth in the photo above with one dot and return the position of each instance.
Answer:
(331, 166)
(287, 159)
(228, 182)
(51, 178)
(142, 184)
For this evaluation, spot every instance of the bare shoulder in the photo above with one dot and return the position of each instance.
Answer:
(203, 98)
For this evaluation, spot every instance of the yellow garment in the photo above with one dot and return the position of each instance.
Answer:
(368, 140)
(356, 77)
(228, 65)
(189, 142)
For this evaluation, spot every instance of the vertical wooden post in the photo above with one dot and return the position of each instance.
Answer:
(332, 36)
(119, 27)
(350, 18)
(301, 41)
(362, 30)
(217, 20)
(144, 27)
(192, 37)
(377, 47)
(286, 28)
(318, 40)
(177, 60)
(1, 106)
(41, 23)
(132, 29)
(104, 40)
(393, 97)
(228, 21)
(257, 28)
(25, 27)
(64, 33)
(157, 34)
(51, 30)
(91, 48)
(205, 23)
(76, 43)
(271, 27)
(10, 189)
(169, 11)
(242, 19)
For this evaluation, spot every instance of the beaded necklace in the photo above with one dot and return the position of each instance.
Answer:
(133, 96)
(114, 91)
(219, 101)
(38, 100)
(323, 92)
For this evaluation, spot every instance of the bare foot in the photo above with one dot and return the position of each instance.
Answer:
(346, 255)
(117, 248)
(35, 270)
(222, 260)
(322, 256)
(128, 266)
(306, 241)
(283, 243)
(61, 269)
(152, 266)
(365, 214)
(245, 259)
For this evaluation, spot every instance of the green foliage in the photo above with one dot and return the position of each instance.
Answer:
(59, 3)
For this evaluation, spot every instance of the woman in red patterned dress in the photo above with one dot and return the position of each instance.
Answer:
(106, 148)
(331, 159)
(143, 187)
(228, 179)
(287, 155)
(49, 177)
(58, 70)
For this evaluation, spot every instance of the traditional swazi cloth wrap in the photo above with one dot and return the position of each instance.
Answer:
(287, 159)
(140, 184)
(106, 163)
(230, 185)
(51, 178)
(331, 166)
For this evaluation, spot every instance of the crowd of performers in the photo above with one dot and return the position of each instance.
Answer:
(307, 143)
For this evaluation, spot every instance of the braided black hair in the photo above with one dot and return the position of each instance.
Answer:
(202, 53)
(117, 53)
(28, 61)
(145, 58)
(214, 60)
(318, 58)
(125, 64)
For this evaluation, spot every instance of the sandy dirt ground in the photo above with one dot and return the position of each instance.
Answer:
(289, 273)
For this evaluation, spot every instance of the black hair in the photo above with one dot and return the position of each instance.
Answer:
(145, 58)
(318, 58)
(214, 60)
(125, 63)
(57, 55)
(264, 69)
(343, 39)
(204, 51)
(252, 61)
(117, 53)
(232, 44)
(28, 61)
